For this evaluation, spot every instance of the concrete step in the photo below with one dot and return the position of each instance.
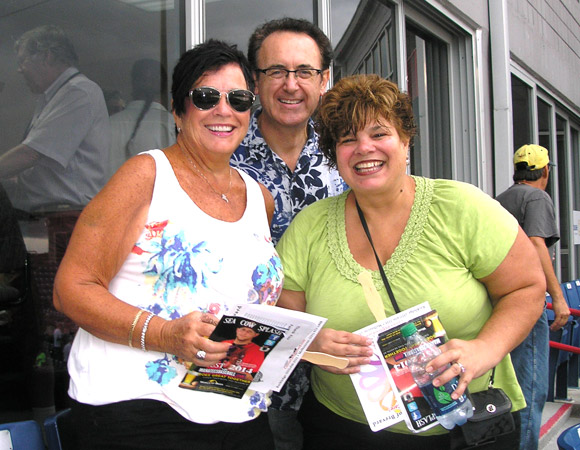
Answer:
(557, 417)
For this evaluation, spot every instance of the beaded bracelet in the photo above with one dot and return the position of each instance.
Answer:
(144, 330)
(133, 325)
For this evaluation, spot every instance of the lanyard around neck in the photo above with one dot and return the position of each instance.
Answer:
(383, 275)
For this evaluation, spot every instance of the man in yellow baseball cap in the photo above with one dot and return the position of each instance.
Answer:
(531, 157)
(531, 205)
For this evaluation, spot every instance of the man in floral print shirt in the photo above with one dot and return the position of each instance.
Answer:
(291, 59)
(280, 149)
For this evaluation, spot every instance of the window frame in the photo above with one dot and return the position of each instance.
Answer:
(469, 154)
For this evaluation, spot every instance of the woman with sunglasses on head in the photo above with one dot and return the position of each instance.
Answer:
(172, 242)
(440, 241)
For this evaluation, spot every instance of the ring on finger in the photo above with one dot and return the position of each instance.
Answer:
(209, 320)
(461, 366)
(200, 355)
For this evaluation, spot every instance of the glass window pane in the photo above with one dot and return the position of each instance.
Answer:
(385, 57)
(544, 124)
(376, 60)
(355, 27)
(545, 135)
(521, 112)
(107, 50)
(428, 85)
(109, 36)
(563, 192)
(575, 143)
(231, 21)
(369, 65)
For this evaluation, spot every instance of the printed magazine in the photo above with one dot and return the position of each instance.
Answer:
(267, 343)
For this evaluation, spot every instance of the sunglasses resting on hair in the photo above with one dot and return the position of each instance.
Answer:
(206, 97)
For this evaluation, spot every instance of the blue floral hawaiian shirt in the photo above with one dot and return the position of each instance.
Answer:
(312, 179)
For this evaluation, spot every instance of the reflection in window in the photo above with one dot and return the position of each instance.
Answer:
(234, 21)
(106, 48)
(109, 36)
(428, 86)
(544, 135)
(544, 124)
(575, 144)
(521, 113)
(363, 39)
(563, 195)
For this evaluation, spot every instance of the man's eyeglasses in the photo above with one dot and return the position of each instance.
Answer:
(277, 73)
(206, 97)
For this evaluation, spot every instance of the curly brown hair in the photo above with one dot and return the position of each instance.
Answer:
(356, 101)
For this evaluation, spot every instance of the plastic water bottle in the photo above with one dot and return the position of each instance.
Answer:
(449, 412)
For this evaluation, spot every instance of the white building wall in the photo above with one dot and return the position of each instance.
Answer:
(545, 39)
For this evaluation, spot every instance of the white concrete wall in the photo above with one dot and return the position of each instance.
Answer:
(545, 38)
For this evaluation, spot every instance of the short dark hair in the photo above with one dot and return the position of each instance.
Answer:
(48, 38)
(295, 26)
(194, 63)
(354, 102)
(523, 173)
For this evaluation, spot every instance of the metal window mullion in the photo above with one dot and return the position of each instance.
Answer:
(194, 23)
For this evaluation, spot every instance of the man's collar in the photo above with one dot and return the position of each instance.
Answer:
(60, 80)
(254, 127)
(532, 184)
(310, 147)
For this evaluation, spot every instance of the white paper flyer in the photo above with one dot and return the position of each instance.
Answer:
(374, 384)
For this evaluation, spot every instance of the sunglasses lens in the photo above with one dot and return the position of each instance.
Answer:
(205, 98)
(241, 100)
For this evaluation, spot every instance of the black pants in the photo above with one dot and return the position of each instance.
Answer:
(324, 429)
(150, 424)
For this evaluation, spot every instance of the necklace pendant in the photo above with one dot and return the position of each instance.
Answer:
(224, 198)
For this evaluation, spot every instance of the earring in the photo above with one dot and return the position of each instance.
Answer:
(178, 130)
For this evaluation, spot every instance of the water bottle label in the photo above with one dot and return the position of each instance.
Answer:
(439, 398)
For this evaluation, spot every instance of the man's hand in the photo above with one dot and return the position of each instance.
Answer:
(16, 160)
(561, 313)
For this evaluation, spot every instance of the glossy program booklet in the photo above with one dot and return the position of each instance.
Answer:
(385, 387)
(417, 413)
(267, 343)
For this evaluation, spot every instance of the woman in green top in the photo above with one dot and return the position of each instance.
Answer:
(440, 241)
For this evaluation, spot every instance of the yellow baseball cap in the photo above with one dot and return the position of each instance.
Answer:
(535, 156)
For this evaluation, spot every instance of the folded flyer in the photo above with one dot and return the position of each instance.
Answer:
(385, 387)
(267, 343)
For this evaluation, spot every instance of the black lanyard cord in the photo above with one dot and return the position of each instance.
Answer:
(383, 275)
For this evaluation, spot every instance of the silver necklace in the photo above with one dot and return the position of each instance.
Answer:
(223, 196)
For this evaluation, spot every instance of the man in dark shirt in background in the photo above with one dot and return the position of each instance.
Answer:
(531, 205)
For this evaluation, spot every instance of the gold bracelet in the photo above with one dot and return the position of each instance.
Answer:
(133, 325)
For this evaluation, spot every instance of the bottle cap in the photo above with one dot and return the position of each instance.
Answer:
(408, 329)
